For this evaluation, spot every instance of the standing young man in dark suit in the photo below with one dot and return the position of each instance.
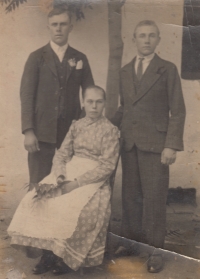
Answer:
(50, 86)
(151, 116)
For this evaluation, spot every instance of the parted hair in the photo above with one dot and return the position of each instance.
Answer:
(146, 23)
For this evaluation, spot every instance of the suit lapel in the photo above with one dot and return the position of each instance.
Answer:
(49, 59)
(129, 79)
(70, 54)
(151, 75)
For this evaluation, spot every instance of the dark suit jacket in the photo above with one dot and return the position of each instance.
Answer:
(154, 117)
(40, 91)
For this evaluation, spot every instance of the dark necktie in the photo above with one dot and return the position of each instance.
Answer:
(140, 69)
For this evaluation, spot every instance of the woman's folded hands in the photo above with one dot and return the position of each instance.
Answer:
(66, 185)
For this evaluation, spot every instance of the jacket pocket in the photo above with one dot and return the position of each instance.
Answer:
(162, 127)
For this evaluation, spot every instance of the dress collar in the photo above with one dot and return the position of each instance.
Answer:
(89, 121)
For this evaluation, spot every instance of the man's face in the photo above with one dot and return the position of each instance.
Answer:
(60, 27)
(146, 39)
(94, 103)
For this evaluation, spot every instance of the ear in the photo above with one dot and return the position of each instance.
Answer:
(71, 28)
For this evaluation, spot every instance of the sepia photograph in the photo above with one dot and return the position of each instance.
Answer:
(100, 139)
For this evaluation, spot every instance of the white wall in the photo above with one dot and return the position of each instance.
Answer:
(25, 30)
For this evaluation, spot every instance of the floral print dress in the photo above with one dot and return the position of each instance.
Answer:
(92, 148)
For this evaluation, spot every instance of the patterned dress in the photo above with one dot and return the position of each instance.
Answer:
(73, 225)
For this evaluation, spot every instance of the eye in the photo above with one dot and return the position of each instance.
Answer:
(89, 102)
(100, 101)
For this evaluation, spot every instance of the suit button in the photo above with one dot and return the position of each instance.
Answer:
(56, 108)
(56, 92)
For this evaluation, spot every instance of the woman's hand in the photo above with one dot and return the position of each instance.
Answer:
(70, 186)
(60, 179)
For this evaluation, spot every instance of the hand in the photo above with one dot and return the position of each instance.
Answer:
(31, 141)
(60, 179)
(168, 156)
(70, 186)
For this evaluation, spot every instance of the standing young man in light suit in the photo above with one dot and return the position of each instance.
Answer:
(50, 86)
(151, 116)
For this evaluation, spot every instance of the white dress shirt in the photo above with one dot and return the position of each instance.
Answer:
(145, 62)
(59, 50)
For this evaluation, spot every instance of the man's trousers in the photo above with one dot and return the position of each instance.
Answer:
(40, 162)
(144, 193)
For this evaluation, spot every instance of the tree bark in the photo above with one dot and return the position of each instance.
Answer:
(115, 56)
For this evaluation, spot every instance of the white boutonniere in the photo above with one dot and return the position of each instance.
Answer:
(79, 65)
(72, 62)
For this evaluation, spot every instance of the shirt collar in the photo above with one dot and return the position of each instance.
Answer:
(147, 58)
(57, 48)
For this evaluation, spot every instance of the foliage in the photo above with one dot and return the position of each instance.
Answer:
(75, 6)
(12, 4)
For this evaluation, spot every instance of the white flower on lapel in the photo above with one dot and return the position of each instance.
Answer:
(79, 65)
(72, 62)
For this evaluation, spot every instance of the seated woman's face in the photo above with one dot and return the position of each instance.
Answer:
(94, 103)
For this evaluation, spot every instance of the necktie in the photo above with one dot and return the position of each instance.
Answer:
(140, 69)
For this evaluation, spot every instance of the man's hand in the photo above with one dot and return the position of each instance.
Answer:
(31, 141)
(168, 156)
(68, 187)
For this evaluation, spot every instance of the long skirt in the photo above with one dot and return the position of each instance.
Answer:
(73, 226)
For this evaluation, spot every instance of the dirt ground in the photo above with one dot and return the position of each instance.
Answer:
(14, 265)
(183, 237)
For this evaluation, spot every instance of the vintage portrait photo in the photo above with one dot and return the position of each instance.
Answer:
(99, 139)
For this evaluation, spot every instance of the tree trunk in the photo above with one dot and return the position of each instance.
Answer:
(115, 56)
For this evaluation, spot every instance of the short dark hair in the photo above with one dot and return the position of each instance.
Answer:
(61, 9)
(95, 87)
(146, 23)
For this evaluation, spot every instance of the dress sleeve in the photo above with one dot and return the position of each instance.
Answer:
(64, 154)
(106, 162)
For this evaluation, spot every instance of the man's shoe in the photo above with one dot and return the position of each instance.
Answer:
(45, 264)
(155, 263)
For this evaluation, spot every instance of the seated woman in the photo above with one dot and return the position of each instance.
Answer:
(70, 229)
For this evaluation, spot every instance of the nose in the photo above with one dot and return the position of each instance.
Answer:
(94, 105)
(147, 40)
(58, 27)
